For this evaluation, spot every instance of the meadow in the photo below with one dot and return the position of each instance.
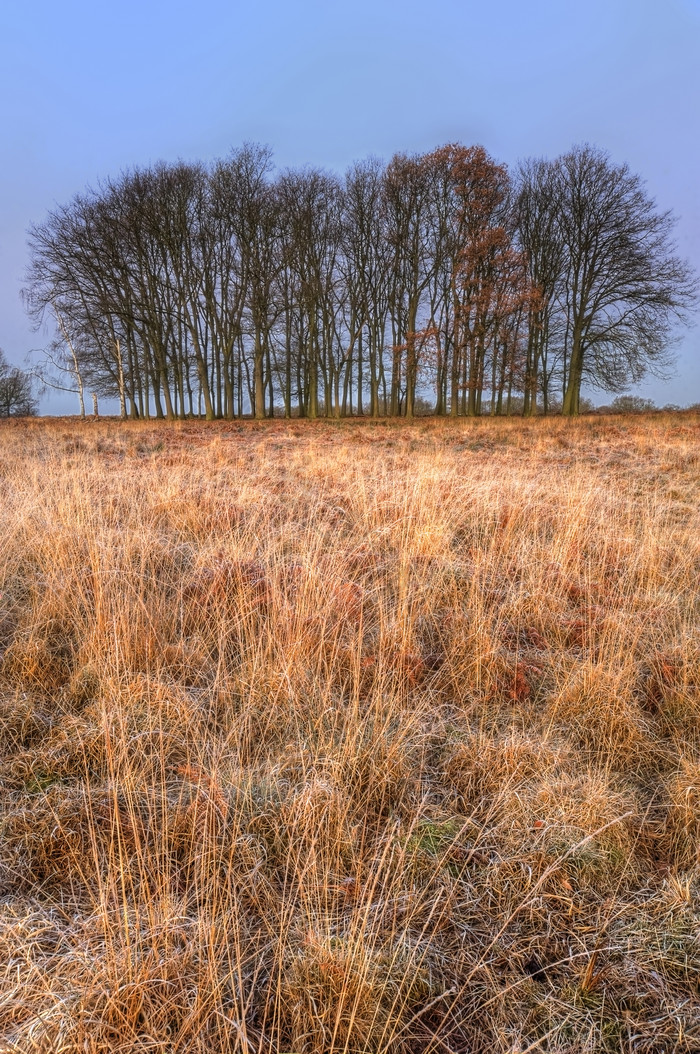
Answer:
(360, 737)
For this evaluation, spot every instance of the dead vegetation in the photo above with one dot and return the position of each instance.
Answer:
(359, 737)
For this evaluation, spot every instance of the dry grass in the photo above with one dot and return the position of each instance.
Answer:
(359, 737)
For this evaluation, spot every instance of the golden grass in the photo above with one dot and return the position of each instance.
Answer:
(350, 737)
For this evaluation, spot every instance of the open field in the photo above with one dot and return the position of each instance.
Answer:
(350, 737)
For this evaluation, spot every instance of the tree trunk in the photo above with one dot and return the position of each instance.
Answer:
(572, 393)
(258, 380)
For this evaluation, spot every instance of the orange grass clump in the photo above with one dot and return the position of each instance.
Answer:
(350, 737)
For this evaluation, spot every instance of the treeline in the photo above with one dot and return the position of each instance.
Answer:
(229, 289)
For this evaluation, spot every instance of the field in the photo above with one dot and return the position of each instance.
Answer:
(350, 737)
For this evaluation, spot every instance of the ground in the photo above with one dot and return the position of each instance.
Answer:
(354, 736)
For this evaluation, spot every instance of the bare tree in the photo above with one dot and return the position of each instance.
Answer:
(75, 274)
(364, 264)
(16, 391)
(488, 283)
(625, 287)
(539, 234)
(408, 205)
(311, 203)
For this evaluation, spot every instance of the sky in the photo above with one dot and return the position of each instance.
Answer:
(87, 90)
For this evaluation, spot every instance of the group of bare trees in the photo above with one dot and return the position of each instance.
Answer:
(224, 290)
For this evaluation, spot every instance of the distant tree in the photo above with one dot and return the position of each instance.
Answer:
(632, 404)
(16, 391)
(625, 288)
(585, 406)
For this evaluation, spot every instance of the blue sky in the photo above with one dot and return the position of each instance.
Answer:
(89, 89)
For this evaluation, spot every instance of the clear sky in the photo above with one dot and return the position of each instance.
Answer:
(87, 89)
